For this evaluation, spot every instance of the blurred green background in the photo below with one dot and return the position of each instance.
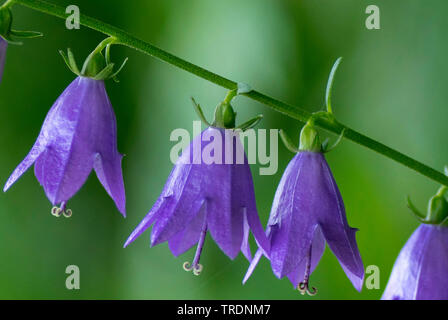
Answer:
(391, 86)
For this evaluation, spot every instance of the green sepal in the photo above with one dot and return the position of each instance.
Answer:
(26, 34)
(200, 113)
(326, 148)
(251, 123)
(287, 141)
(94, 64)
(309, 138)
(108, 61)
(105, 73)
(8, 34)
(224, 116)
(5, 22)
(70, 61)
(114, 75)
(437, 212)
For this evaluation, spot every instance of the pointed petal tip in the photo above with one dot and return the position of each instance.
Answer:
(129, 241)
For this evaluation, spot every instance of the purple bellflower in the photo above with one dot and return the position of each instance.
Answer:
(3, 47)
(209, 190)
(79, 134)
(306, 213)
(420, 270)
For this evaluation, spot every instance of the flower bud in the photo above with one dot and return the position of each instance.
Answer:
(94, 65)
(224, 116)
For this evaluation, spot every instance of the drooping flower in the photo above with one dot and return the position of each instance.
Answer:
(209, 190)
(306, 213)
(3, 47)
(79, 134)
(420, 271)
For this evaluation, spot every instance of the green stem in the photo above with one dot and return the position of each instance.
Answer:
(297, 113)
(8, 4)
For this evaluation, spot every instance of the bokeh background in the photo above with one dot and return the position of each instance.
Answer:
(390, 86)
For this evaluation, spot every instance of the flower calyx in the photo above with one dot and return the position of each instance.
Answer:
(97, 66)
(225, 116)
(6, 31)
(437, 211)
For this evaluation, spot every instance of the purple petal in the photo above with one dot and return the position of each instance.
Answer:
(420, 270)
(245, 246)
(341, 238)
(35, 152)
(292, 221)
(253, 264)
(110, 175)
(317, 250)
(159, 206)
(189, 236)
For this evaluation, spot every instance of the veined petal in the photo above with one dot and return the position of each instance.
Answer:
(252, 265)
(184, 186)
(245, 246)
(189, 236)
(224, 217)
(107, 163)
(420, 269)
(110, 175)
(35, 152)
(292, 222)
(433, 282)
(317, 250)
(159, 207)
(341, 238)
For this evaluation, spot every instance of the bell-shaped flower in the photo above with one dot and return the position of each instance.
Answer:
(308, 212)
(209, 190)
(420, 271)
(79, 134)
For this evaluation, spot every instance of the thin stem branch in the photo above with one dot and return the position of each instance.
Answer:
(123, 38)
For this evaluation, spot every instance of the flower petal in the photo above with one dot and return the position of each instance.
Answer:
(35, 152)
(253, 264)
(341, 238)
(161, 204)
(419, 272)
(189, 236)
(292, 222)
(110, 175)
(317, 250)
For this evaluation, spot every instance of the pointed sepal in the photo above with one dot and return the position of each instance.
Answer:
(251, 123)
(199, 112)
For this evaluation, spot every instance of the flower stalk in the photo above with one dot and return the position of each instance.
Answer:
(292, 111)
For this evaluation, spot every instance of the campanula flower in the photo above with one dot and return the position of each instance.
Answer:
(79, 134)
(3, 47)
(306, 213)
(420, 271)
(209, 190)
